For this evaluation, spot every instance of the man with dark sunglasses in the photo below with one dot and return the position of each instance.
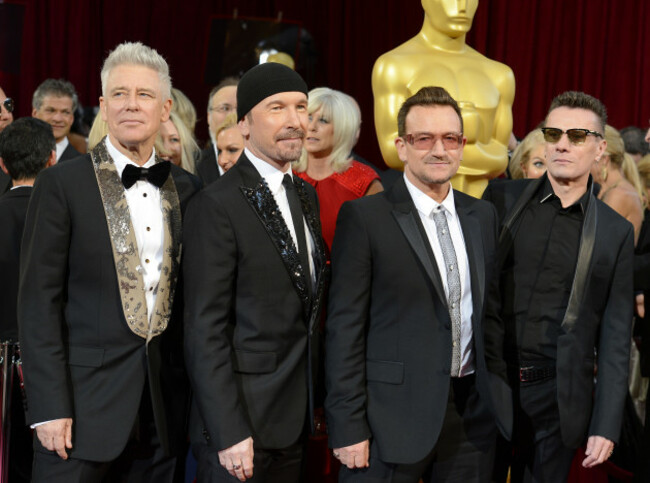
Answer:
(563, 299)
(6, 118)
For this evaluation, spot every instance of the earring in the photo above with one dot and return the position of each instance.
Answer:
(603, 173)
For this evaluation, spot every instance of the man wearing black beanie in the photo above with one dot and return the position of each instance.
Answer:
(254, 272)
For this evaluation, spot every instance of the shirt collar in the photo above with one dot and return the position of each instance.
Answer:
(271, 174)
(427, 205)
(120, 160)
(216, 158)
(61, 146)
(547, 194)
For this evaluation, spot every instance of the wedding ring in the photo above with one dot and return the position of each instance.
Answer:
(236, 467)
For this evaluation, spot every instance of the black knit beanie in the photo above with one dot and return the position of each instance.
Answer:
(265, 80)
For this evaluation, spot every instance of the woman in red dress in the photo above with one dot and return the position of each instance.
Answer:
(334, 123)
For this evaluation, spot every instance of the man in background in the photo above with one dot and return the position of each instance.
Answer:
(222, 101)
(55, 102)
(26, 148)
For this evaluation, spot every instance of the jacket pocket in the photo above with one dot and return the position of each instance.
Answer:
(86, 356)
(385, 371)
(249, 362)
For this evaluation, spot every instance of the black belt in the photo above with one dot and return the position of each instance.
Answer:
(535, 373)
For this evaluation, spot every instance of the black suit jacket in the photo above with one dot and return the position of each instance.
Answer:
(13, 209)
(251, 330)
(69, 153)
(598, 317)
(207, 168)
(389, 343)
(642, 284)
(5, 182)
(80, 358)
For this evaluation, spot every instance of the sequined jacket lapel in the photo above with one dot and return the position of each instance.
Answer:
(125, 248)
(259, 197)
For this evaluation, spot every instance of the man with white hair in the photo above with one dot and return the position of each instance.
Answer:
(99, 266)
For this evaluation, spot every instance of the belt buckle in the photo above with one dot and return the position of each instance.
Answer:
(522, 377)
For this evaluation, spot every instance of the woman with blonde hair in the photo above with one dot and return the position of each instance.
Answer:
(326, 164)
(527, 159)
(620, 187)
(184, 108)
(175, 143)
(230, 142)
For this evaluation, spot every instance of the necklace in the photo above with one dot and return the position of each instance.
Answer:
(604, 193)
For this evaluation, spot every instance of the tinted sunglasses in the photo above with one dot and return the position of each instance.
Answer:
(8, 104)
(576, 136)
(424, 141)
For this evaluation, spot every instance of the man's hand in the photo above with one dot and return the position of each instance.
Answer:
(354, 456)
(599, 449)
(238, 459)
(56, 436)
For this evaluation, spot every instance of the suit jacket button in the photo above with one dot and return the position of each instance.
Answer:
(445, 371)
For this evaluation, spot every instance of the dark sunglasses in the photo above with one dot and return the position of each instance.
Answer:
(8, 104)
(576, 136)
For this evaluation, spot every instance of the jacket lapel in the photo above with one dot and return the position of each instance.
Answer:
(320, 259)
(471, 227)
(123, 242)
(259, 197)
(172, 229)
(408, 219)
(583, 266)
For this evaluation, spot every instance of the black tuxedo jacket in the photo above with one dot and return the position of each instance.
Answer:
(80, 358)
(251, 329)
(13, 209)
(69, 153)
(598, 317)
(207, 168)
(389, 343)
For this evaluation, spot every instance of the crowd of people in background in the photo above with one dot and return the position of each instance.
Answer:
(116, 322)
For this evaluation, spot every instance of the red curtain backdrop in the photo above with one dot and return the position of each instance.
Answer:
(599, 46)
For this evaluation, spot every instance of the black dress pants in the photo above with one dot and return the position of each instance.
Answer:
(269, 465)
(540, 455)
(464, 452)
(142, 461)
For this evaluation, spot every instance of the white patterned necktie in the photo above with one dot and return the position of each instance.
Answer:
(453, 285)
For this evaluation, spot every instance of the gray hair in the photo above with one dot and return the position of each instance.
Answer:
(56, 88)
(136, 53)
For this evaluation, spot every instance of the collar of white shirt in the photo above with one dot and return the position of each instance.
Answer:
(60, 147)
(427, 205)
(216, 157)
(121, 160)
(271, 174)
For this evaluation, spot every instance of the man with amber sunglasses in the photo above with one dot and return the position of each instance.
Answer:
(563, 300)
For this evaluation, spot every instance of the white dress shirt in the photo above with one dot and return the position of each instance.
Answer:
(274, 177)
(426, 207)
(146, 213)
(60, 147)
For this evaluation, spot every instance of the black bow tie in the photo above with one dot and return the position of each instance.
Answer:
(156, 175)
